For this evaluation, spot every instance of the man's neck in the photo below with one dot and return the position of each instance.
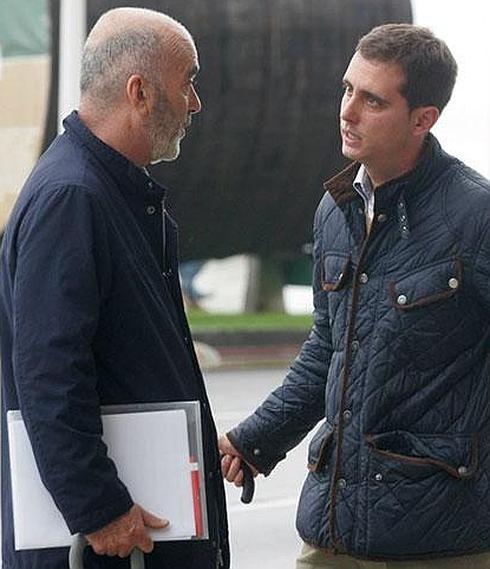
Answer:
(382, 173)
(117, 134)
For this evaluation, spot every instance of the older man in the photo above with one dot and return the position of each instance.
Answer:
(397, 364)
(90, 303)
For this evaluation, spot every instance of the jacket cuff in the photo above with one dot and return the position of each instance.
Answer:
(254, 453)
(97, 519)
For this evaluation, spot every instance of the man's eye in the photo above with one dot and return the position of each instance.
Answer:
(374, 103)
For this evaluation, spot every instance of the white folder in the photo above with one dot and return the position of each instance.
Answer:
(152, 453)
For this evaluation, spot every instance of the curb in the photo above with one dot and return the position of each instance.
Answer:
(247, 349)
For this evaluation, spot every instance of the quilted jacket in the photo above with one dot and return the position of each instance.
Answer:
(397, 366)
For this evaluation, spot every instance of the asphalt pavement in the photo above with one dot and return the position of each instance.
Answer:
(262, 533)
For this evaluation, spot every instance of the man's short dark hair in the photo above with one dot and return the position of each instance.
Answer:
(429, 67)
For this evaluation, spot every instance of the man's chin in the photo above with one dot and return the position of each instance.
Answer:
(164, 159)
(169, 156)
(350, 153)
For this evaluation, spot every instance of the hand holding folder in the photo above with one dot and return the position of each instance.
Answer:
(122, 535)
(157, 449)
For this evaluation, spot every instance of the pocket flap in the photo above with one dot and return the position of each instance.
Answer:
(319, 447)
(456, 454)
(427, 285)
(335, 271)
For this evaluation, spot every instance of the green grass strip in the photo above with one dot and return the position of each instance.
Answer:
(203, 321)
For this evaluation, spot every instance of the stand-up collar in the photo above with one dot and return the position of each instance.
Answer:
(129, 177)
(432, 161)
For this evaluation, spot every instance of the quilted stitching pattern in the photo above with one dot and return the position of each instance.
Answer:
(423, 370)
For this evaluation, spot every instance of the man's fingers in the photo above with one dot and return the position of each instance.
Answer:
(231, 462)
(98, 548)
(111, 552)
(153, 521)
(140, 539)
(231, 469)
(238, 481)
(125, 552)
(146, 544)
(235, 467)
(226, 460)
(125, 533)
(125, 546)
(108, 547)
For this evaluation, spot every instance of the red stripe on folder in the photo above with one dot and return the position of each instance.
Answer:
(196, 496)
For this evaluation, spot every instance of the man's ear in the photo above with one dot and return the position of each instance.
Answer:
(424, 118)
(136, 93)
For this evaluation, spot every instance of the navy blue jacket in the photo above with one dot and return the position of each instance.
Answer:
(398, 367)
(91, 314)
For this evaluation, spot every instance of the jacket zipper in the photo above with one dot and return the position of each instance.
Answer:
(337, 546)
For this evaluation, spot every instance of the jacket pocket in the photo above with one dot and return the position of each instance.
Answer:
(455, 454)
(336, 268)
(427, 285)
(320, 447)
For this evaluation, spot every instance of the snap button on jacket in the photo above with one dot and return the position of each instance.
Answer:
(396, 368)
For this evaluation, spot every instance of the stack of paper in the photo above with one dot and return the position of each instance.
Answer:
(151, 452)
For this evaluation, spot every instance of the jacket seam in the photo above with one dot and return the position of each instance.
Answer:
(350, 322)
(361, 449)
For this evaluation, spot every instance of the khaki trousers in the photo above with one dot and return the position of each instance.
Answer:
(311, 558)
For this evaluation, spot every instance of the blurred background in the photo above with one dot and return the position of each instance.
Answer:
(250, 175)
(247, 183)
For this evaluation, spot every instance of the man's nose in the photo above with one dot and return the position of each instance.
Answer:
(194, 101)
(349, 109)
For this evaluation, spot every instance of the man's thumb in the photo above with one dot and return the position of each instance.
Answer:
(152, 521)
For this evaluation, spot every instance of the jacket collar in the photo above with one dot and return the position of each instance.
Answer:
(129, 177)
(395, 195)
(431, 163)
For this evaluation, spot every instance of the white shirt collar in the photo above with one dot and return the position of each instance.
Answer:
(364, 187)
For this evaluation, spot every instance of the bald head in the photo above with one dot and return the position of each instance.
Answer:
(121, 19)
(125, 42)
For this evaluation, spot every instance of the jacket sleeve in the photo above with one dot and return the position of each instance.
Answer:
(61, 274)
(294, 408)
